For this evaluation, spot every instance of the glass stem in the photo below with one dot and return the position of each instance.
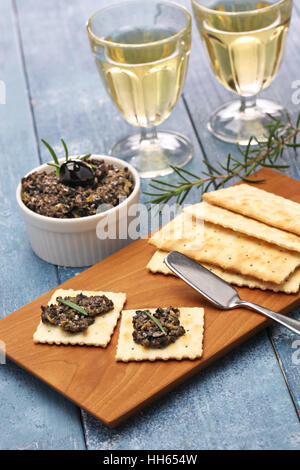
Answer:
(248, 103)
(148, 135)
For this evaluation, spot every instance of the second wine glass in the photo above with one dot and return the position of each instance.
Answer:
(245, 41)
(142, 49)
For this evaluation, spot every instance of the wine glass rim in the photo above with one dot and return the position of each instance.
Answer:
(145, 44)
(243, 12)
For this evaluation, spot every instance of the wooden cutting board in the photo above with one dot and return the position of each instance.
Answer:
(114, 391)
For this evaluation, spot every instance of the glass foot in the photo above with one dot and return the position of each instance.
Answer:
(153, 156)
(237, 121)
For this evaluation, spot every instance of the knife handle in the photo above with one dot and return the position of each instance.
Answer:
(288, 322)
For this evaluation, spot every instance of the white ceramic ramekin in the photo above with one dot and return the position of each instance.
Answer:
(73, 242)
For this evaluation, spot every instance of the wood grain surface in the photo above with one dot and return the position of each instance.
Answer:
(114, 391)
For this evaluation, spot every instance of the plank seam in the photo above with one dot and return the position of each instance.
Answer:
(205, 158)
(283, 372)
(58, 275)
(80, 410)
(84, 428)
(28, 89)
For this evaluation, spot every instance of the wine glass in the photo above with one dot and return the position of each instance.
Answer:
(245, 41)
(142, 49)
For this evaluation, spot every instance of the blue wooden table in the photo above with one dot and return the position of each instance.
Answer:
(250, 399)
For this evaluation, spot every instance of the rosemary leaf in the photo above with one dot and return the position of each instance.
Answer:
(178, 171)
(181, 201)
(66, 149)
(85, 157)
(248, 180)
(53, 164)
(155, 321)
(73, 306)
(188, 173)
(163, 183)
(154, 186)
(293, 145)
(53, 154)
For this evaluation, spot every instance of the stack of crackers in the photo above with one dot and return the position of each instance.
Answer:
(247, 236)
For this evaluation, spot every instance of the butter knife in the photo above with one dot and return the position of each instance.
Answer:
(217, 291)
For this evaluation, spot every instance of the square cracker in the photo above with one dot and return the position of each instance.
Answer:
(97, 334)
(157, 263)
(232, 251)
(291, 286)
(188, 346)
(258, 204)
(240, 223)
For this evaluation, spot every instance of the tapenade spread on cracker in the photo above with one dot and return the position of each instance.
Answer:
(157, 334)
(72, 320)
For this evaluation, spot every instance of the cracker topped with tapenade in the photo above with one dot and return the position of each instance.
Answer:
(161, 333)
(79, 318)
(157, 330)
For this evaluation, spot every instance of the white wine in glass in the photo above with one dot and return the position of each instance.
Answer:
(245, 41)
(142, 51)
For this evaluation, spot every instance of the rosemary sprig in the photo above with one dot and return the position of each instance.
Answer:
(54, 156)
(56, 163)
(85, 157)
(73, 306)
(155, 321)
(66, 149)
(260, 155)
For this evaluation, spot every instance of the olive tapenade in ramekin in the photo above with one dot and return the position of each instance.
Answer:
(70, 197)
(62, 229)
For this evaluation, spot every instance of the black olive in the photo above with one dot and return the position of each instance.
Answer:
(76, 173)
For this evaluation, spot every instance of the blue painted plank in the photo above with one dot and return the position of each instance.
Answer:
(32, 415)
(204, 94)
(218, 401)
(287, 346)
(218, 409)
